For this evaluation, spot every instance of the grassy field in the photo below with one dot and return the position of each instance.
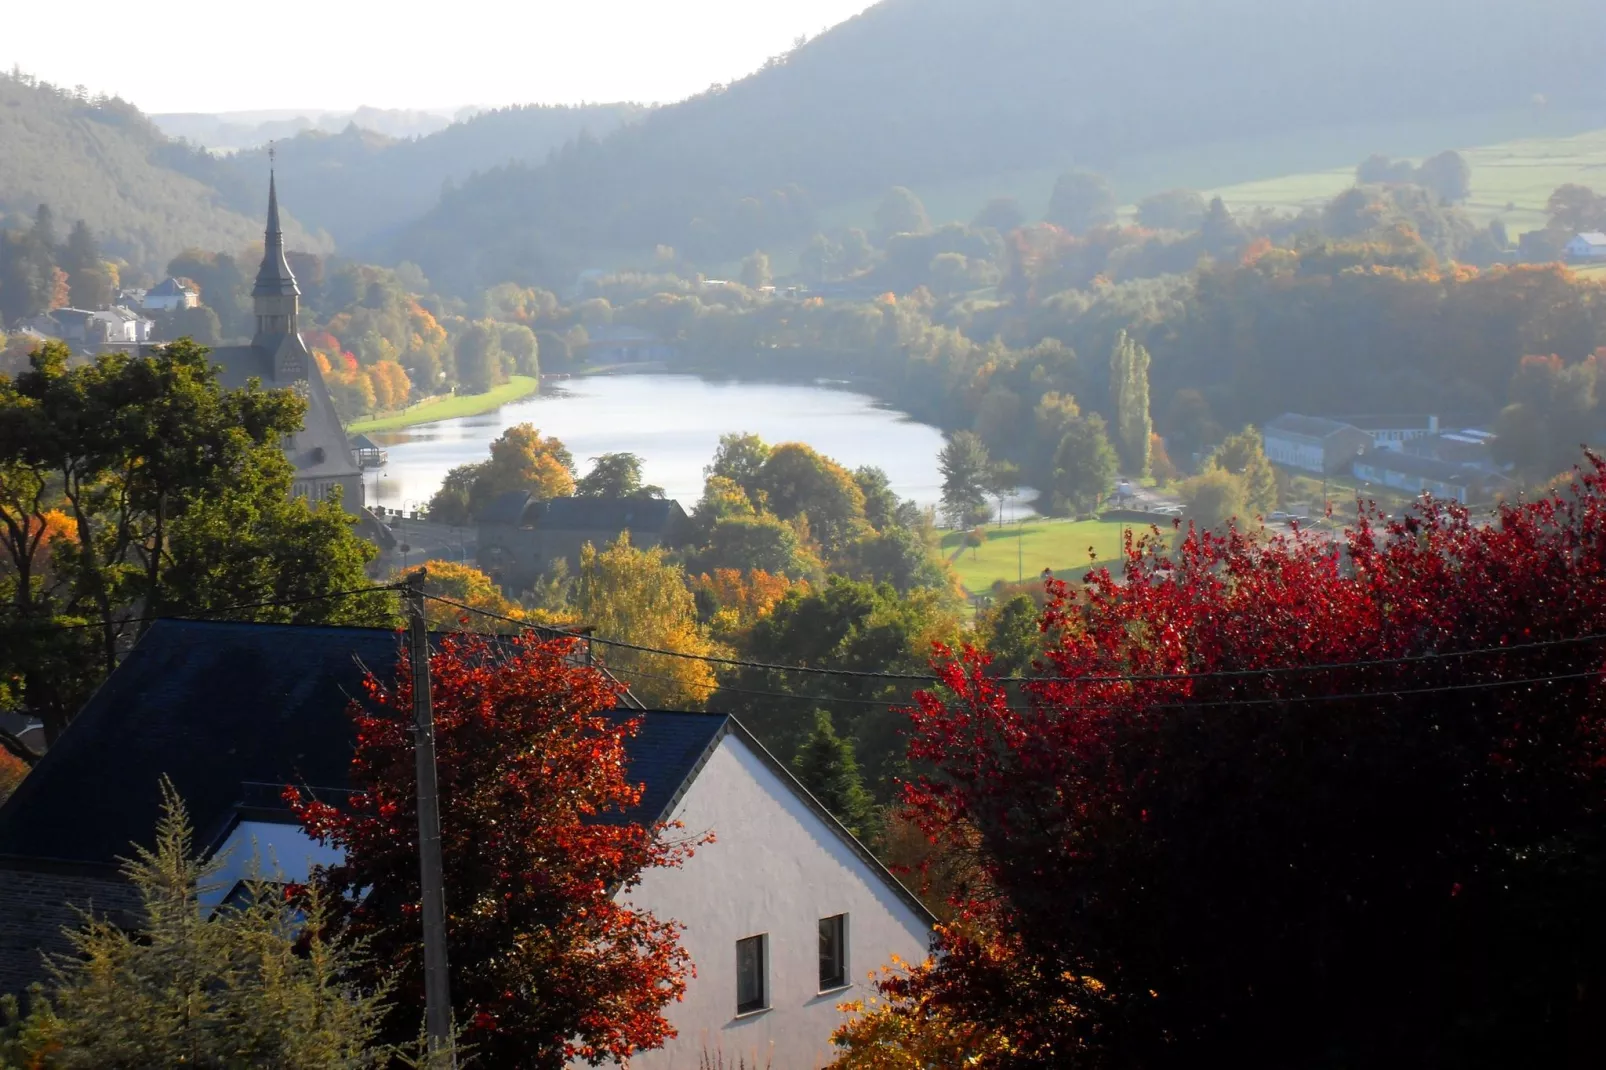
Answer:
(1025, 550)
(1526, 154)
(450, 408)
(1511, 180)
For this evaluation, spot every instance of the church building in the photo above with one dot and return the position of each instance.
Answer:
(280, 359)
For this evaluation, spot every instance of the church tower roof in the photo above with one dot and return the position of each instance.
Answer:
(274, 278)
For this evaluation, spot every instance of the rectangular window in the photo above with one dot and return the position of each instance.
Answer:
(833, 952)
(752, 981)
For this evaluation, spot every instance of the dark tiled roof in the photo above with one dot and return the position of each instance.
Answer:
(168, 287)
(506, 508)
(238, 364)
(1309, 426)
(216, 706)
(609, 514)
(1423, 467)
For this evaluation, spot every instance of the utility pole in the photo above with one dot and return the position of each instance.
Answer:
(437, 983)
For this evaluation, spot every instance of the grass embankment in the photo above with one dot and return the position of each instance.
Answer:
(1025, 550)
(450, 408)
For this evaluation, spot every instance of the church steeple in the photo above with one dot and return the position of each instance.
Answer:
(276, 299)
(274, 278)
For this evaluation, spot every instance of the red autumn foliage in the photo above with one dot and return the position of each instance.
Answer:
(1288, 804)
(546, 964)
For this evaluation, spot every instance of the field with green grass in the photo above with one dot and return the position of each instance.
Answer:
(1511, 180)
(1024, 550)
(450, 408)
(1525, 155)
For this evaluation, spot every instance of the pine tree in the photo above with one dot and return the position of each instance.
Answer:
(828, 768)
(965, 468)
(256, 983)
(1129, 391)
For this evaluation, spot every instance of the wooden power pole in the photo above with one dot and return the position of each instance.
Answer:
(437, 983)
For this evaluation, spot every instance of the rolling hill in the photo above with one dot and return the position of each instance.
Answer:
(105, 163)
(934, 92)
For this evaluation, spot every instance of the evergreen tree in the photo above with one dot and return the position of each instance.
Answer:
(1129, 392)
(826, 765)
(259, 982)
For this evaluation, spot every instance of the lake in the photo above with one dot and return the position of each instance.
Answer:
(673, 422)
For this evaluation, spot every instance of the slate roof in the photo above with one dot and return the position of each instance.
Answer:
(1592, 237)
(218, 707)
(506, 508)
(609, 514)
(169, 287)
(1317, 427)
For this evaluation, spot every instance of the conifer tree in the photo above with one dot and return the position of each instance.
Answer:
(828, 768)
(258, 982)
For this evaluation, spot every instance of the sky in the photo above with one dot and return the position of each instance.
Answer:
(230, 55)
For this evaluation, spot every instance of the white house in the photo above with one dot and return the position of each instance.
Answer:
(1590, 245)
(785, 914)
(1313, 443)
(171, 293)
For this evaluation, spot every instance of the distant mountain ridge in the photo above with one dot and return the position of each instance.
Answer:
(253, 129)
(149, 196)
(918, 91)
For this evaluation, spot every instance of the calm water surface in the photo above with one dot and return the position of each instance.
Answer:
(673, 422)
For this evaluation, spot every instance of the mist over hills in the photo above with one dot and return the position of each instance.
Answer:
(252, 129)
(922, 91)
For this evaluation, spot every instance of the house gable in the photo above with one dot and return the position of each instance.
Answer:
(777, 866)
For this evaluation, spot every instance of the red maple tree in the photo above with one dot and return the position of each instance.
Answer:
(547, 965)
(1291, 803)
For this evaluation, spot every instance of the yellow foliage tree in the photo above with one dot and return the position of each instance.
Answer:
(911, 1032)
(635, 596)
(468, 585)
(391, 385)
(522, 460)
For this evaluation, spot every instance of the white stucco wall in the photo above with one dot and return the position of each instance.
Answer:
(775, 868)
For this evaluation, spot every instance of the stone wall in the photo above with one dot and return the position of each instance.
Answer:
(36, 905)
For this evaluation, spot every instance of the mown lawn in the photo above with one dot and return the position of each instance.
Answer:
(450, 408)
(1025, 550)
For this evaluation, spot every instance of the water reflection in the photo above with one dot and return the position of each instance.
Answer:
(673, 422)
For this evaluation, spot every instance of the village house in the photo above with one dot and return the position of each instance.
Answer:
(785, 913)
(113, 326)
(171, 294)
(1591, 245)
(1393, 432)
(1314, 443)
(1423, 475)
(520, 538)
(1468, 446)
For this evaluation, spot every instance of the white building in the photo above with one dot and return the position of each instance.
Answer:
(1591, 245)
(1313, 443)
(785, 914)
(170, 294)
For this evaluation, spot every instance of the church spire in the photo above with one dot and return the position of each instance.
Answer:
(274, 278)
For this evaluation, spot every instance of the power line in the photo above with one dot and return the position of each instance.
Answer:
(1280, 670)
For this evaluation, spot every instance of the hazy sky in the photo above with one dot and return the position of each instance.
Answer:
(231, 55)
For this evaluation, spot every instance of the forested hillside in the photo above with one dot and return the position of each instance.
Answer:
(105, 163)
(358, 184)
(916, 91)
